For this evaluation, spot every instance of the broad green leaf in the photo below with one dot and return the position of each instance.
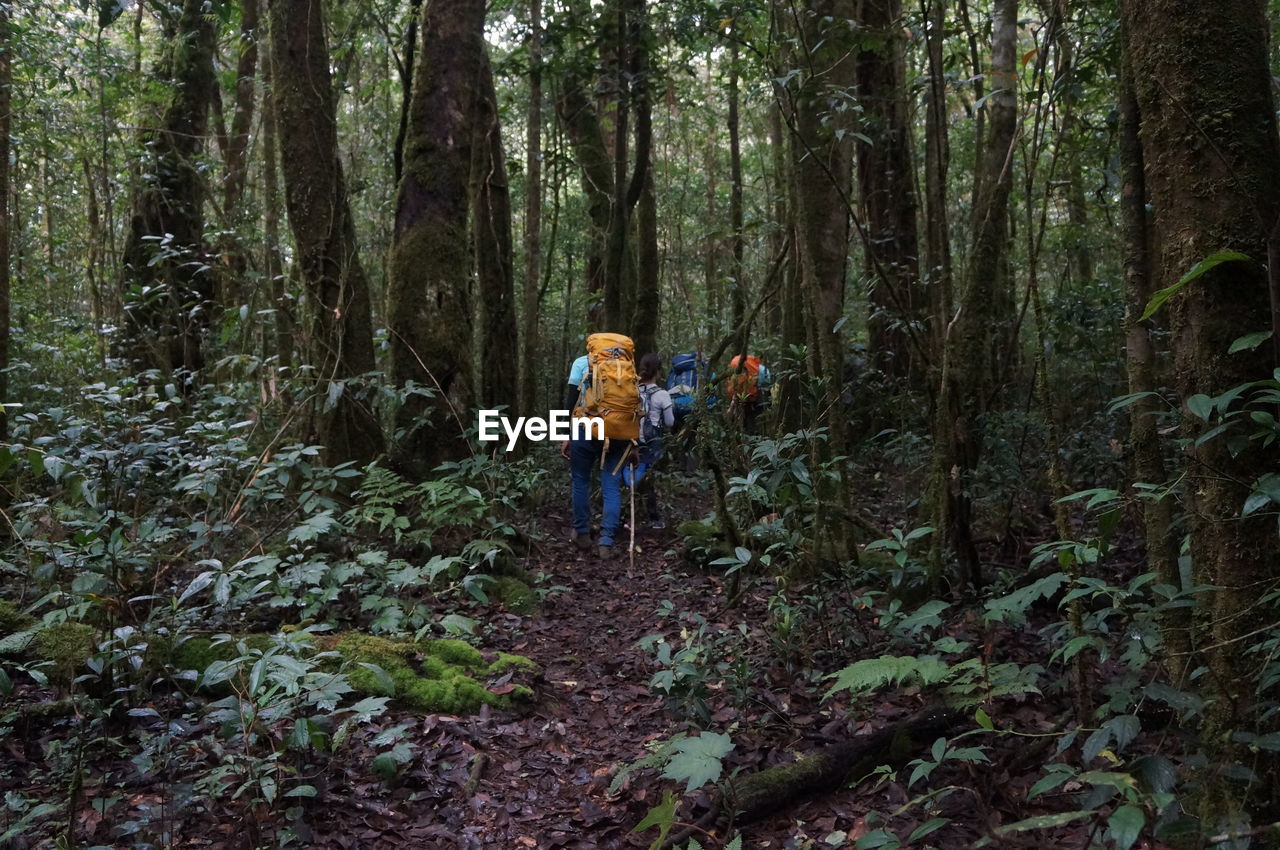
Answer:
(985, 722)
(1038, 822)
(880, 838)
(1200, 406)
(1126, 824)
(931, 825)
(1249, 342)
(698, 760)
(1210, 262)
(662, 816)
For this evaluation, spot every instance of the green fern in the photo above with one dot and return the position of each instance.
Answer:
(865, 676)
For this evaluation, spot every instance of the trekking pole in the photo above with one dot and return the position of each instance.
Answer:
(631, 552)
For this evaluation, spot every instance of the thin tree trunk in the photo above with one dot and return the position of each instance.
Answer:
(320, 217)
(6, 85)
(971, 339)
(491, 236)
(282, 324)
(530, 303)
(236, 154)
(738, 291)
(642, 319)
(406, 88)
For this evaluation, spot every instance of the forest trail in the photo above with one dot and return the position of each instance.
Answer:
(540, 778)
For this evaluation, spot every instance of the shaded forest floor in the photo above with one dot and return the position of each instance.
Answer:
(540, 777)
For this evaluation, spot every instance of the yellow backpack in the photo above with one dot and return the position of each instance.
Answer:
(612, 390)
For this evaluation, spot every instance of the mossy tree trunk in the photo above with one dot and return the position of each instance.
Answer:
(234, 261)
(581, 124)
(646, 297)
(166, 288)
(822, 151)
(496, 330)
(430, 312)
(320, 218)
(6, 84)
(530, 294)
(1212, 170)
(886, 181)
(968, 382)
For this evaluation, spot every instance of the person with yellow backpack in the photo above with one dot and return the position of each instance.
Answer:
(608, 388)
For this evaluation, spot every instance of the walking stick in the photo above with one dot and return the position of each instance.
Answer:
(631, 552)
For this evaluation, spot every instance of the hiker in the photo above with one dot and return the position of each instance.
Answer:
(577, 375)
(683, 381)
(659, 416)
(748, 388)
(609, 389)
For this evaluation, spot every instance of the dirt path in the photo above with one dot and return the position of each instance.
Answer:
(539, 779)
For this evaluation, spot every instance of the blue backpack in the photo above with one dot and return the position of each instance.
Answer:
(683, 380)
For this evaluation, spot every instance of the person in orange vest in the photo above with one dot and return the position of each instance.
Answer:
(748, 387)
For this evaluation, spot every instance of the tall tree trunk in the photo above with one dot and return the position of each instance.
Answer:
(320, 217)
(886, 180)
(581, 124)
(1212, 169)
(491, 237)
(406, 88)
(642, 318)
(969, 383)
(1077, 207)
(167, 294)
(1148, 454)
(938, 276)
(823, 157)
(738, 285)
(530, 302)
(236, 155)
(430, 312)
(282, 324)
(6, 85)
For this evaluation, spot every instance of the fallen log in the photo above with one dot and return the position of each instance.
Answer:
(758, 795)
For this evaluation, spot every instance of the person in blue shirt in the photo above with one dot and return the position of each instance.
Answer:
(583, 456)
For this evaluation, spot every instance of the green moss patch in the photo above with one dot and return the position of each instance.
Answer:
(703, 542)
(516, 595)
(434, 676)
(13, 620)
(65, 647)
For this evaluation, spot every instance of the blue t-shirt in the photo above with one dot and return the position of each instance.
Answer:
(578, 372)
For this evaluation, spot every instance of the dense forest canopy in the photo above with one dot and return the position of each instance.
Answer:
(969, 313)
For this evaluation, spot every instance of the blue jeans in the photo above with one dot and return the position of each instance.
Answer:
(584, 456)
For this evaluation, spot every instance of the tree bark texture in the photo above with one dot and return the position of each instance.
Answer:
(530, 302)
(320, 218)
(167, 291)
(886, 182)
(430, 313)
(823, 161)
(968, 380)
(1212, 169)
(496, 329)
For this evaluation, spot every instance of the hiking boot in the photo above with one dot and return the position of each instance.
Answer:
(606, 552)
(658, 524)
(583, 541)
